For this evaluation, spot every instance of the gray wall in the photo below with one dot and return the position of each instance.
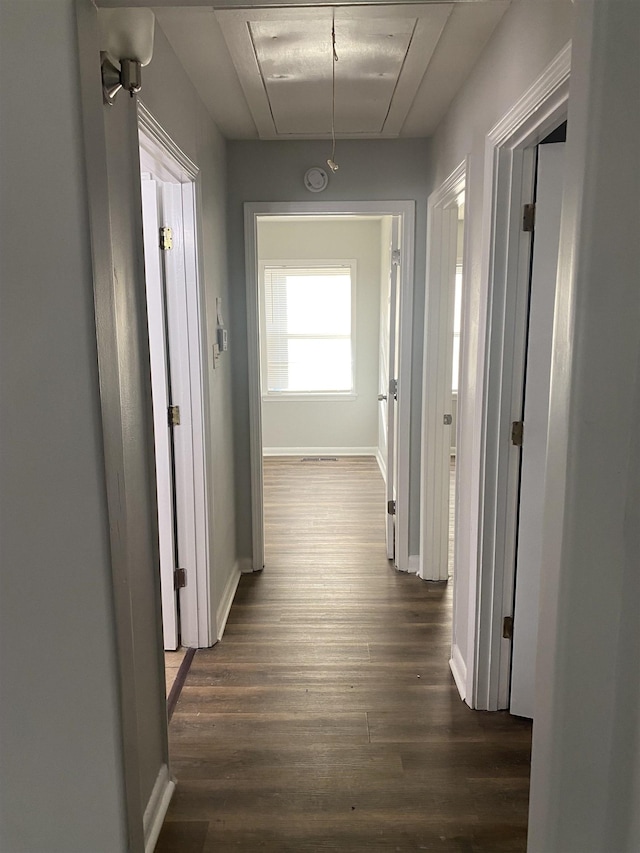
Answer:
(369, 170)
(62, 777)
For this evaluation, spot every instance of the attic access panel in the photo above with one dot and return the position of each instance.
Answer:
(283, 58)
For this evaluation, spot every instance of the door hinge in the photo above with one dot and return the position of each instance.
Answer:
(447, 420)
(166, 238)
(174, 415)
(395, 257)
(391, 507)
(393, 388)
(179, 578)
(507, 628)
(528, 217)
(517, 433)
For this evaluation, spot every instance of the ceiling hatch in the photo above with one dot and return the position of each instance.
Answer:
(284, 60)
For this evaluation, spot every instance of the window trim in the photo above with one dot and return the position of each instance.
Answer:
(300, 264)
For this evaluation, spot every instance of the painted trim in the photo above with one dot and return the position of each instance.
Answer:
(245, 564)
(509, 176)
(319, 451)
(165, 144)
(459, 671)
(255, 390)
(382, 463)
(413, 564)
(156, 809)
(404, 209)
(194, 534)
(226, 600)
(442, 243)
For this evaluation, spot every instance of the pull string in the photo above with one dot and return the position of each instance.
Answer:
(331, 161)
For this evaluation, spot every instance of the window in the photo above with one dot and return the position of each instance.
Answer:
(307, 322)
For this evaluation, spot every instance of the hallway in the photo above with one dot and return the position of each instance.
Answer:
(327, 718)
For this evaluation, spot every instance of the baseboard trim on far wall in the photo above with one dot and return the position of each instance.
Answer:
(382, 464)
(226, 601)
(319, 451)
(156, 809)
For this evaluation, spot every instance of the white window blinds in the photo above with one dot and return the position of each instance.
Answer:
(307, 345)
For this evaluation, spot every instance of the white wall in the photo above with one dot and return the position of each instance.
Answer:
(527, 38)
(396, 169)
(62, 788)
(349, 424)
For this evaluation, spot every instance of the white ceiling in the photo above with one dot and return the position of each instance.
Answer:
(267, 73)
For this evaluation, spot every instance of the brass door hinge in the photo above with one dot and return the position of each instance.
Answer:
(517, 433)
(174, 415)
(529, 217)
(166, 238)
(507, 628)
(391, 507)
(179, 578)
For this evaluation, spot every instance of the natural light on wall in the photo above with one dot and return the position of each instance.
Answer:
(307, 329)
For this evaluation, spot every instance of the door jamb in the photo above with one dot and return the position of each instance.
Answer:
(509, 175)
(404, 209)
(197, 619)
(442, 238)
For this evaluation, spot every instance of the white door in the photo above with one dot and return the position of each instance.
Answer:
(388, 386)
(536, 416)
(158, 350)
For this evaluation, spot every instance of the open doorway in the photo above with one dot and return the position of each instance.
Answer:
(169, 214)
(318, 379)
(328, 323)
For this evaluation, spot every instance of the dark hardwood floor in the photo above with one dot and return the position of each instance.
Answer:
(327, 718)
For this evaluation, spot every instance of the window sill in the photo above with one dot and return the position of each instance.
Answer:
(309, 398)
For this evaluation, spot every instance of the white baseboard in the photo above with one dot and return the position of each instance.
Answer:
(459, 670)
(228, 595)
(414, 564)
(319, 451)
(382, 464)
(157, 808)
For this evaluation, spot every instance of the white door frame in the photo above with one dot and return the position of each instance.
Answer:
(404, 209)
(197, 619)
(442, 245)
(509, 180)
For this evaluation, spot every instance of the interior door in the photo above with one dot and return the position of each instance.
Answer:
(388, 396)
(158, 350)
(536, 416)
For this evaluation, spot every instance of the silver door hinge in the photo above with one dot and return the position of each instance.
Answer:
(174, 415)
(393, 388)
(507, 628)
(517, 433)
(166, 238)
(391, 507)
(395, 257)
(528, 217)
(447, 420)
(179, 578)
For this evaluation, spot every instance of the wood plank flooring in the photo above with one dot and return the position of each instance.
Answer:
(327, 718)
